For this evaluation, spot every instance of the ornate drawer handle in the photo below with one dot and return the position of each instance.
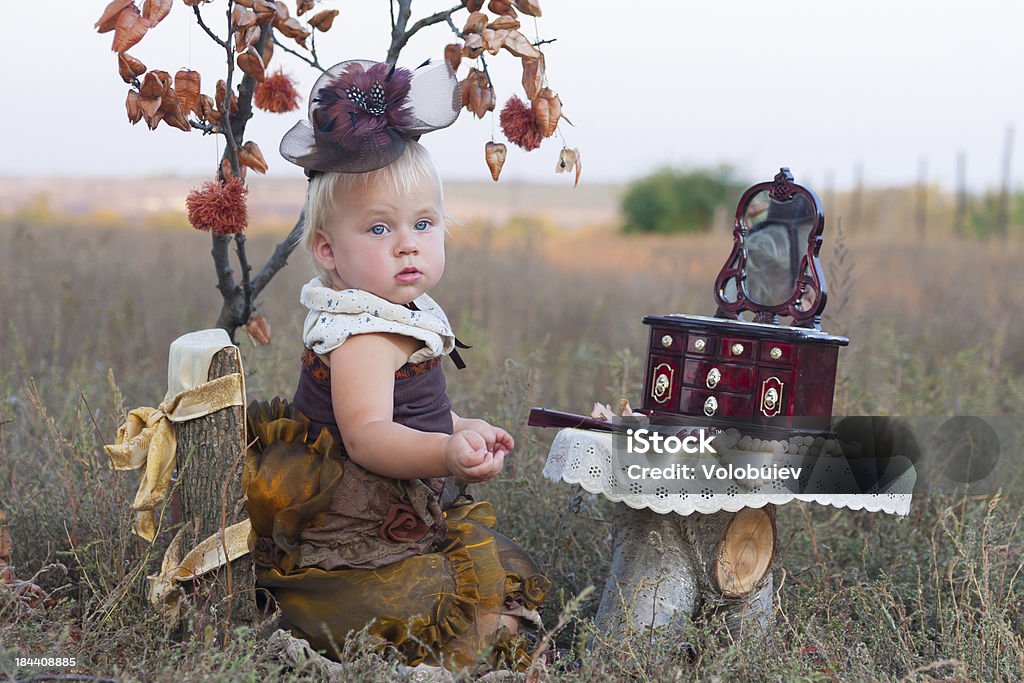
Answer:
(700, 344)
(710, 406)
(661, 383)
(666, 341)
(771, 397)
(775, 353)
(737, 349)
(714, 377)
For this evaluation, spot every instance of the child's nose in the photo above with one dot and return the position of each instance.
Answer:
(407, 244)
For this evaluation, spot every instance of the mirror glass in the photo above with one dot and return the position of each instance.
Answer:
(777, 234)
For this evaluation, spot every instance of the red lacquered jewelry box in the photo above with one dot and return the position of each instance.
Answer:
(757, 375)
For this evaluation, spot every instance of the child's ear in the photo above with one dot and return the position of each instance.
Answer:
(323, 250)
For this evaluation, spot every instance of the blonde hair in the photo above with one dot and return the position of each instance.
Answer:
(402, 174)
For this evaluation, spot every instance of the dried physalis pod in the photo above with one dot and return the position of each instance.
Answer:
(294, 30)
(475, 23)
(259, 329)
(243, 3)
(453, 55)
(268, 53)
(129, 67)
(150, 94)
(322, 21)
(281, 10)
(266, 11)
(493, 40)
(225, 170)
(242, 18)
(173, 113)
(250, 155)
(477, 94)
(530, 7)
(504, 22)
(520, 45)
(533, 75)
(569, 159)
(494, 153)
(473, 46)
(154, 11)
(501, 7)
(208, 110)
(303, 6)
(132, 106)
(246, 38)
(547, 108)
(252, 64)
(186, 85)
(221, 94)
(474, 5)
(108, 20)
(129, 29)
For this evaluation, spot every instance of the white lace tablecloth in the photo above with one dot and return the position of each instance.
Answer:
(585, 457)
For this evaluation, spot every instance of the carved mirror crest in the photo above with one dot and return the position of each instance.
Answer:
(773, 269)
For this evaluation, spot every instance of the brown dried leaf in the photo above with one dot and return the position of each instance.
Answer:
(251, 156)
(493, 40)
(282, 11)
(547, 102)
(222, 92)
(474, 5)
(110, 14)
(303, 6)
(259, 329)
(533, 76)
(173, 114)
(244, 3)
(252, 64)
(520, 45)
(208, 110)
(504, 22)
(494, 153)
(541, 114)
(246, 38)
(129, 67)
(473, 46)
(132, 106)
(294, 30)
(322, 21)
(453, 55)
(475, 23)
(242, 18)
(530, 7)
(268, 53)
(154, 11)
(129, 29)
(186, 85)
(567, 160)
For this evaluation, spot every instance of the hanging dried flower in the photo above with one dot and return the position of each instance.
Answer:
(277, 94)
(494, 153)
(217, 207)
(519, 124)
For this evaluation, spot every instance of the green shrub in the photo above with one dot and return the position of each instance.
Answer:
(671, 200)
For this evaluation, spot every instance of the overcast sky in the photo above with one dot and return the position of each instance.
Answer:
(820, 86)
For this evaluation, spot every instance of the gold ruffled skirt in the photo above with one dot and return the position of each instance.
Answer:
(435, 608)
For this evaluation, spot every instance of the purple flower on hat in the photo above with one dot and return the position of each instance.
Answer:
(361, 103)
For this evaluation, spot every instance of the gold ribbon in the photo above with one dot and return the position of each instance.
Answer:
(213, 552)
(147, 440)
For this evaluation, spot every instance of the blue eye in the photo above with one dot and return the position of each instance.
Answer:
(378, 230)
(423, 225)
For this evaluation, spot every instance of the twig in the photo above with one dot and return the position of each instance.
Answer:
(202, 24)
(279, 258)
(544, 42)
(312, 62)
(99, 434)
(207, 128)
(400, 36)
(243, 264)
(231, 149)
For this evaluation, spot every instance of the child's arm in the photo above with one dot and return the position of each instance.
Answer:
(496, 438)
(362, 394)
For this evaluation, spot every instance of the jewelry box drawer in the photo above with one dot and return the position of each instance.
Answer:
(667, 341)
(738, 349)
(713, 403)
(703, 344)
(661, 385)
(774, 394)
(711, 374)
(776, 353)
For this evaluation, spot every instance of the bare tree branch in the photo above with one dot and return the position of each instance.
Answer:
(243, 264)
(279, 258)
(312, 62)
(231, 149)
(199, 18)
(399, 36)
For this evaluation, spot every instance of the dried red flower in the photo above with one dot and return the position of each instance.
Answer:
(218, 207)
(277, 94)
(519, 124)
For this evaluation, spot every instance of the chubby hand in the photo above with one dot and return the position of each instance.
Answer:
(468, 457)
(496, 438)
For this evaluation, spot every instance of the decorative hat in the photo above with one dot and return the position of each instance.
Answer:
(361, 113)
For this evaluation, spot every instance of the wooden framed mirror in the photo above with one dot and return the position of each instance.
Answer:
(773, 269)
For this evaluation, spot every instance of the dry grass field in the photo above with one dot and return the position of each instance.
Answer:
(87, 314)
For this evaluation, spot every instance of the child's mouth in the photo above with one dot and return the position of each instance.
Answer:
(409, 275)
